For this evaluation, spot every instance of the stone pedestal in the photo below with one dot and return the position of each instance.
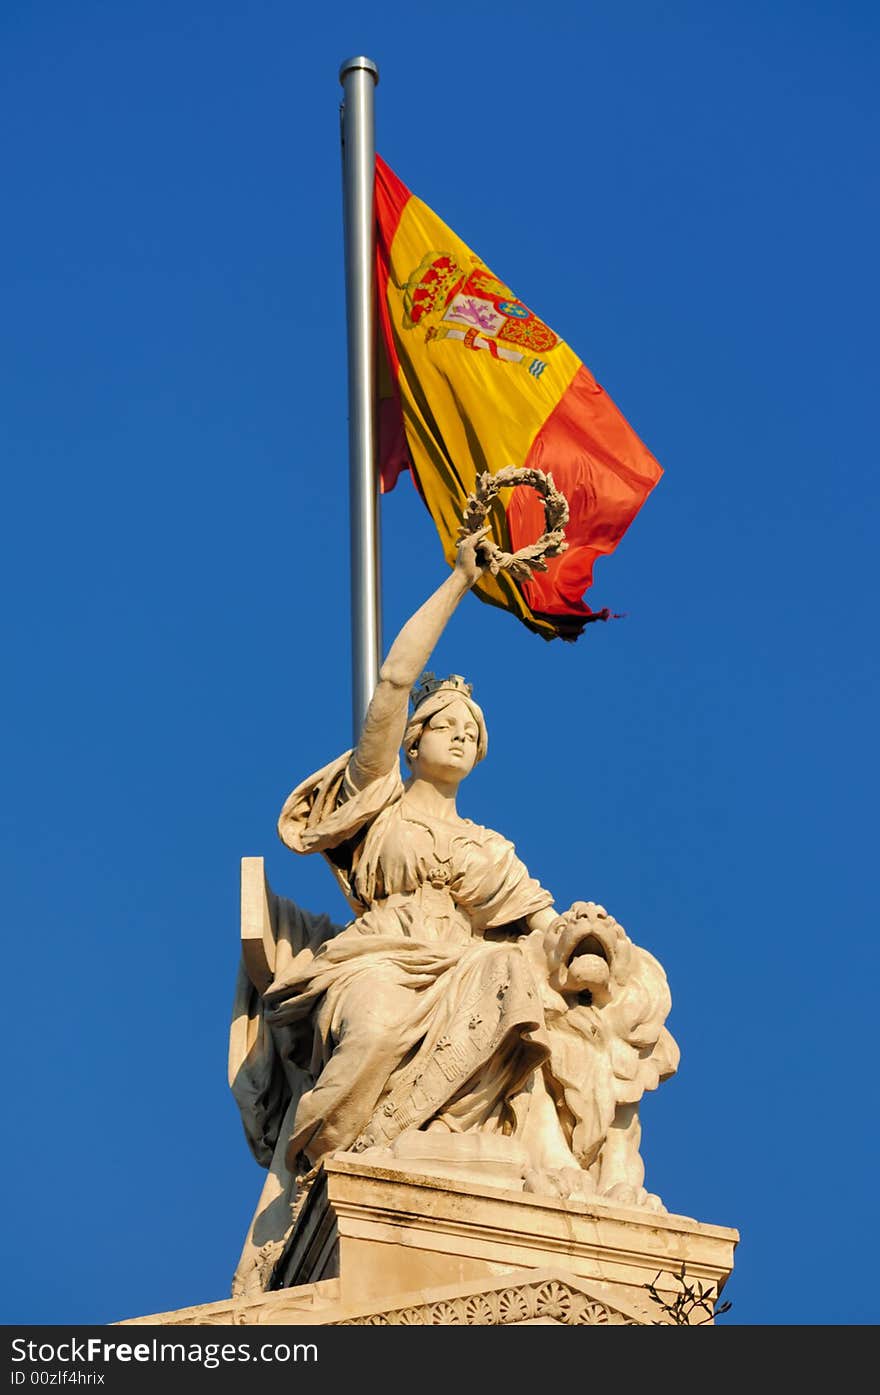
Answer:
(375, 1245)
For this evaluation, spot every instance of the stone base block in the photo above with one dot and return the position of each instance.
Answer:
(375, 1245)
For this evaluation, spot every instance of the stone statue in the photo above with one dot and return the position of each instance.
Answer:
(458, 1021)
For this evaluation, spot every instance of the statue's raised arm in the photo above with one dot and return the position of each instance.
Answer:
(386, 719)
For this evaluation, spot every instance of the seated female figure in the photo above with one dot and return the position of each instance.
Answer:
(457, 1001)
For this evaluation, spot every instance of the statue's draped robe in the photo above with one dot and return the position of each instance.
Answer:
(462, 1028)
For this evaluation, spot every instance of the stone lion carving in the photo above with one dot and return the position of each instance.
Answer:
(458, 1022)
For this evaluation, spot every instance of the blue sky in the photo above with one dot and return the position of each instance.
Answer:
(687, 194)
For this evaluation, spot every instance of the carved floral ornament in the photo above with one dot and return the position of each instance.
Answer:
(551, 1300)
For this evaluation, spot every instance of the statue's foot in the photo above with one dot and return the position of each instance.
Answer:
(624, 1194)
(570, 1183)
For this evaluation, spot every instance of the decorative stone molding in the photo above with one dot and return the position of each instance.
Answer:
(551, 1301)
(300, 1306)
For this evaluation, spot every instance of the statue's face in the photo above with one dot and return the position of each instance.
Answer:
(448, 746)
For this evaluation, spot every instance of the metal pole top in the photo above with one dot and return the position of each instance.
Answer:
(351, 64)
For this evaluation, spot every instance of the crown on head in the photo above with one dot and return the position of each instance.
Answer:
(429, 683)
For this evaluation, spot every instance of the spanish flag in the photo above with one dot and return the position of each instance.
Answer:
(472, 381)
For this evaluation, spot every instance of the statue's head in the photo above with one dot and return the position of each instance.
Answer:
(446, 735)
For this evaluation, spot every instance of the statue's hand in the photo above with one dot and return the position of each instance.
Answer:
(469, 562)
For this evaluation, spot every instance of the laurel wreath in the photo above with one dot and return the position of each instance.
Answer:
(529, 559)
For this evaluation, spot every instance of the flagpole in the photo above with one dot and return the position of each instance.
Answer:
(359, 77)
